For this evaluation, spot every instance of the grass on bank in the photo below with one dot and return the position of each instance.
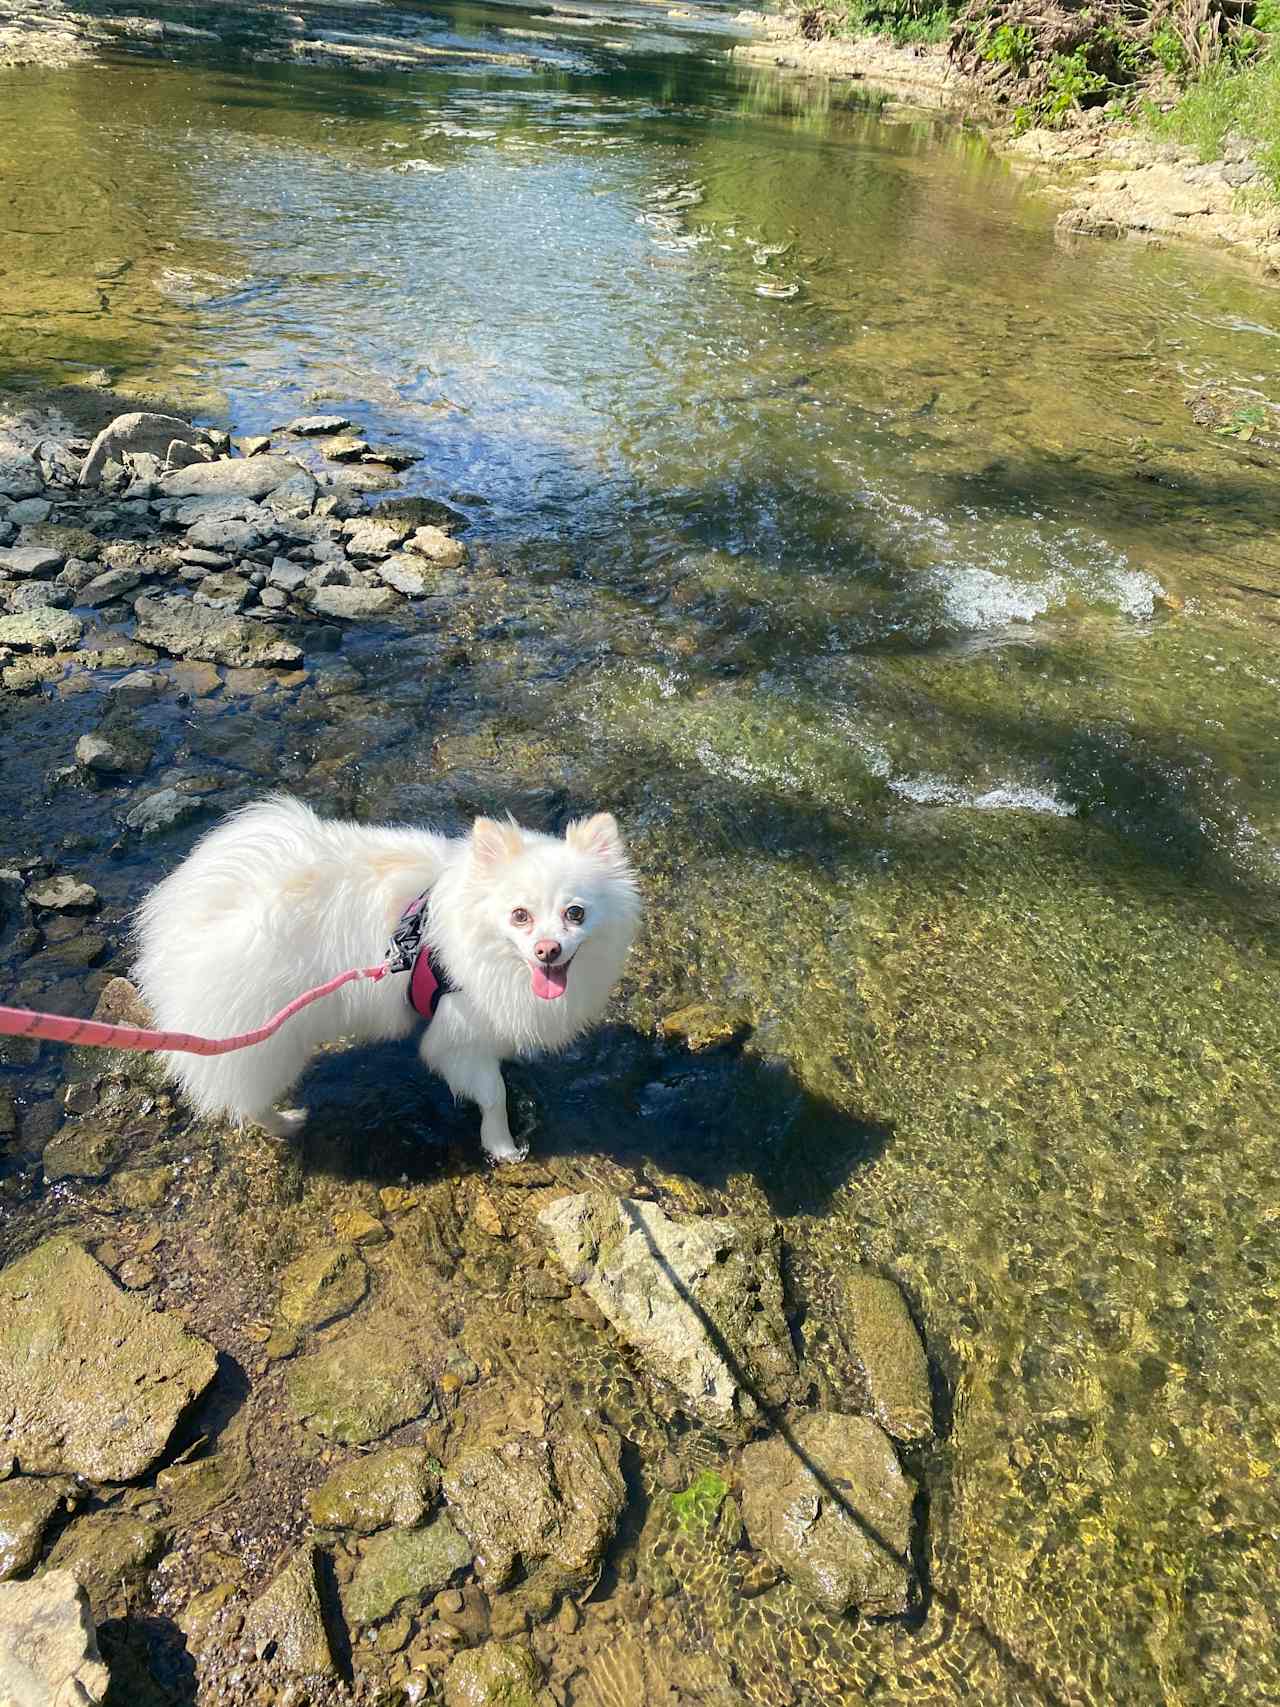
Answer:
(1231, 98)
(1048, 59)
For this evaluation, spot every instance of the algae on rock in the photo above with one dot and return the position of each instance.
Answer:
(322, 1285)
(361, 1385)
(496, 1674)
(395, 1487)
(288, 1619)
(700, 1300)
(404, 1564)
(91, 1380)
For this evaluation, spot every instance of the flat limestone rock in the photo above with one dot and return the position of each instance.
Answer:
(885, 1342)
(229, 477)
(700, 1300)
(44, 629)
(48, 1646)
(353, 603)
(829, 1504)
(321, 1286)
(187, 630)
(288, 1616)
(91, 1380)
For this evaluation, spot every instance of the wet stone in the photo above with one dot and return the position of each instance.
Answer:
(497, 1674)
(549, 1504)
(38, 561)
(435, 544)
(63, 1406)
(358, 1227)
(679, 1292)
(362, 1384)
(402, 1565)
(105, 757)
(352, 603)
(104, 1552)
(26, 1506)
(841, 1530)
(140, 687)
(321, 1286)
(63, 894)
(885, 1341)
(395, 1487)
(286, 1623)
(309, 426)
(83, 1152)
(191, 631)
(366, 536)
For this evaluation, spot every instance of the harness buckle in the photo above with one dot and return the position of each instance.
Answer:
(406, 940)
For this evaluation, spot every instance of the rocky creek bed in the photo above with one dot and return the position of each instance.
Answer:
(279, 1437)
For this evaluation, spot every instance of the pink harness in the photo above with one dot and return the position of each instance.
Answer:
(407, 953)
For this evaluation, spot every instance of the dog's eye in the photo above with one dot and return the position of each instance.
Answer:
(574, 915)
(521, 916)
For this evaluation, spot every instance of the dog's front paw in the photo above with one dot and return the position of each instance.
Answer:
(284, 1122)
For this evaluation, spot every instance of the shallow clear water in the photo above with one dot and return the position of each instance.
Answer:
(853, 540)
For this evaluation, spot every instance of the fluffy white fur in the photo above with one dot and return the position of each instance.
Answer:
(276, 900)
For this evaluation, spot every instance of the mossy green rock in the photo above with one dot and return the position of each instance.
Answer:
(829, 1504)
(286, 1622)
(885, 1342)
(322, 1285)
(83, 1151)
(499, 1674)
(699, 1299)
(388, 1488)
(104, 1551)
(361, 1385)
(92, 1381)
(404, 1564)
(550, 1503)
(26, 1505)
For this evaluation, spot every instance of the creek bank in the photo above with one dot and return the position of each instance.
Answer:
(1113, 179)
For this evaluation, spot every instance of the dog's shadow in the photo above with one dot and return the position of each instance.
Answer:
(378, 1116)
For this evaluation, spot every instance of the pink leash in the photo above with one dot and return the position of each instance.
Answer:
(94, 1034)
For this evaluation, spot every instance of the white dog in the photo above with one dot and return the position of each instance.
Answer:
(525, 935)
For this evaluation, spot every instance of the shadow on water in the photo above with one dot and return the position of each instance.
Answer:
(724, 1111)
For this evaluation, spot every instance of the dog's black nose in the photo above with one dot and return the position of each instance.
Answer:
(547, 950)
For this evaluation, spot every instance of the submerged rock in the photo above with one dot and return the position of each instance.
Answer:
(48, 1646)
(286, 1622)
(436, 545)
(550, 1504)
(361, 1385)
(498, 1674)
(404, 1564)
(395, 1487)
(63, 894)
(829, 1504)
(194, 631)
(886, 1344)
(26, 1506)
(321, 1286)
(64, 1404)
(700, 1300)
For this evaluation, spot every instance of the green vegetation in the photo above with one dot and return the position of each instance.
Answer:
(1197, 69)
(1241, 97)
(697, 1508)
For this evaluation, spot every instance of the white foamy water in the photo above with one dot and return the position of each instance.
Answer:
(1006, 797)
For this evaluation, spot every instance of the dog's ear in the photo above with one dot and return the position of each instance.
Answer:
(598, 836)
(492, 842)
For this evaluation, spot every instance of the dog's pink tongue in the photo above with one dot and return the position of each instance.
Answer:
(550, 981)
